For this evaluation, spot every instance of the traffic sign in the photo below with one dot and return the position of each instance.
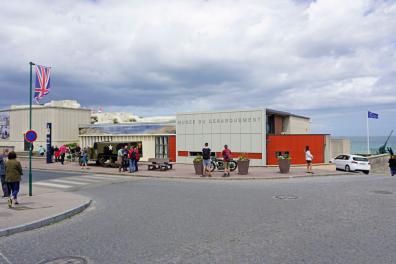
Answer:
(31, 136)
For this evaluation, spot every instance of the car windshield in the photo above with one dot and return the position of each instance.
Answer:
(360, 159)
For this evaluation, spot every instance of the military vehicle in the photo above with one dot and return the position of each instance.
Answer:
(106, 152)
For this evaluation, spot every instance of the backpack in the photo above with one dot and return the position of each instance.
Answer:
(206, 153)
(133, 154)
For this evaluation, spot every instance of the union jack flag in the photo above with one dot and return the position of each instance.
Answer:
(43, 83)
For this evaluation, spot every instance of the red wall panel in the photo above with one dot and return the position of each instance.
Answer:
(182, 153)
(172, 148)
(295, 145)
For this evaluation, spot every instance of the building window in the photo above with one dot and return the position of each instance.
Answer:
(161, 147)
(271, 124)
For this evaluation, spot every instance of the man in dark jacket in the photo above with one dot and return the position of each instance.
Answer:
(13, 177)
(4, 185)
(392, 165)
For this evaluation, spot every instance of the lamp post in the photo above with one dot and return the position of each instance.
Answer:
(30, 128)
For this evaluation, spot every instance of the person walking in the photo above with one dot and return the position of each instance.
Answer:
(84, 158)
(226, 153)
(120, 153)
(392, 165)
(4, 185)
(13, 177)
(308, 158)
(206, 160)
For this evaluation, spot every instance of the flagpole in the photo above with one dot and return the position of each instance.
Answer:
(368, 137)
(30, 128)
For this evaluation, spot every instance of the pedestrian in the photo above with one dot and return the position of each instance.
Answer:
(84, 158)
(56, 153)
(41, 150)
(119, 159)
(132, 159)
(4, 185)
(137, 158)
(62, 151)
(125, 162)
(308, 158)
(392, 165)
(13, 177)
(78, 152)
(226, 159)
(206, 160)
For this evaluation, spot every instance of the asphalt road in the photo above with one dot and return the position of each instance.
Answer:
(340, 219)
(41, 175)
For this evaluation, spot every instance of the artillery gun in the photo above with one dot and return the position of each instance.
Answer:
(382, 149)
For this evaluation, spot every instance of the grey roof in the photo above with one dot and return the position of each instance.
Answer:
(282, 113)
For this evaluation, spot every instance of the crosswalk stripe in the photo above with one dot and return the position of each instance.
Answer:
(101, 177)
(107, 176)
(70, 182)
(48, 184)
(82, 179)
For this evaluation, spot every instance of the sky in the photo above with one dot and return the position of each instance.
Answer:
(330, 60)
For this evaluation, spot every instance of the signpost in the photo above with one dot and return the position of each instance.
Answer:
(30, 136)
(49, 143)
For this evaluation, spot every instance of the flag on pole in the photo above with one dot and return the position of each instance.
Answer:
(42, 84)
(372, 115)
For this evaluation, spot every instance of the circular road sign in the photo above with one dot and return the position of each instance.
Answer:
(31, 136)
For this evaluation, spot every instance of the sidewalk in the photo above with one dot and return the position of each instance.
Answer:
(43, 208)
(186, 171)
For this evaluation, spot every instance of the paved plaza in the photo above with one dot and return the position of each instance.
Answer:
(186, 171)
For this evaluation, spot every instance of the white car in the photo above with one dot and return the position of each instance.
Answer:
(352, 163)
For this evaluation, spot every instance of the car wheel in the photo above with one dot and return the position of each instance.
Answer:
(347, 168)
(366, 172)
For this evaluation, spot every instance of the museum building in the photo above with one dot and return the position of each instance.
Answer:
(261, 134)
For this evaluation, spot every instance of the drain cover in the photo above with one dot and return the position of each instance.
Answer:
(383, 192)
(285, 197)
(65, 260)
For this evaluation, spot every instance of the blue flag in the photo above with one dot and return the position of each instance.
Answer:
(372, 115)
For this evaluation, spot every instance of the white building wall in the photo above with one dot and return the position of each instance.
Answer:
(241, 130)
(296, 125)
(64, 121)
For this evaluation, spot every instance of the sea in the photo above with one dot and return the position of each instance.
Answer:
(359, 143)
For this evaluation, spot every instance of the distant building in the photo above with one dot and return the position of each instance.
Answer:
(65, 117)
(158, 140)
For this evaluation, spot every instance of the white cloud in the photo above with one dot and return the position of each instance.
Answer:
(169, 56)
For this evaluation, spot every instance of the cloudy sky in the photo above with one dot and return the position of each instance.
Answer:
(331, 60)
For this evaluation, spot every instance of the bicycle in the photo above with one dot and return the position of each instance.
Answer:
(219, 164)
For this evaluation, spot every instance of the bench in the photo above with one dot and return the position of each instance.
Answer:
(159, 164)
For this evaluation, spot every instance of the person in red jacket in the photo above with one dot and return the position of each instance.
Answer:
(227, 158)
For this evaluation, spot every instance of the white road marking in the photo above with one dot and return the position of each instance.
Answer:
(69, 182)
(48, 184)
(106, 177)
(5, 258)
(83, 179)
